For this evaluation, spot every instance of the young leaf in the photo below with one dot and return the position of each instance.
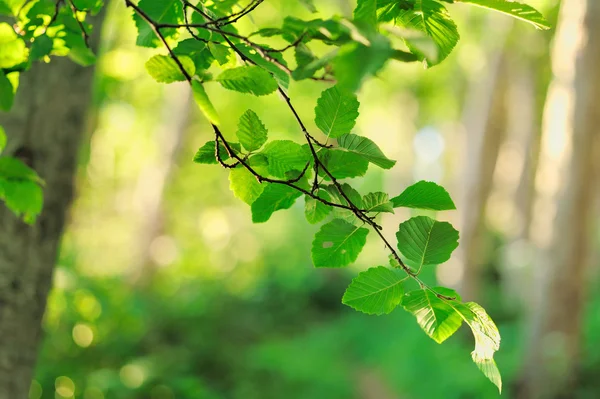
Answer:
(436, 316)
(517, 10)
(424, 195)
(13, 50)
(285, 156)
(204, 103)
(273, 198)
(366, 11)
(20, 189)
(207, 155)
(487, 339)
(314, 210)
(432, 18)
(356, 61)
(160, 11)
(365, 148)
(375, 291)
(165, 69)
(279, 74)
(7, 94)
(251, 131)
(248, 79)
(220, 52)
(336, 112)
(426, 241)
(342, 164)
(244, 185)
(338, 244)
(377, 202)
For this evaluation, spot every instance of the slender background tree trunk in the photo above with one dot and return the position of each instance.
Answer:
(566, 183)
(44, 129)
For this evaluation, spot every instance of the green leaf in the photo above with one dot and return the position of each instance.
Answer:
(2, 139)
(204, 103)
(7, 94)
(244, 185)
(285, 156)
(13, 50)
(206, 154)
(41, 47)
(377, 202)
(20, 189)
(309, 4)
(165, 69)
(357, 61)
(365, 148)
(336, 112)
(160, 11)
(314, 210)
(424, 195)
(487, 339)
(281, 76)
(342, 164)
(251, 132)
(248, 79)
(375, 291)
(425, 241)
(23, 198)
(338, 244)
(437, 317)
(220, 52)
(274, 197)
(366, 11)
(305, 71)
(432, 18)
(517, 10)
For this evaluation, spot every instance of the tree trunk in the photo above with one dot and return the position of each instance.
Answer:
(566, 182)
(485, 122)
(44, 129)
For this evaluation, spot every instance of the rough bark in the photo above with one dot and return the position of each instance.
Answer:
(567, 182)
(44, 129)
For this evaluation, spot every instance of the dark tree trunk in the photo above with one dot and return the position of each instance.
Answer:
(45, 129)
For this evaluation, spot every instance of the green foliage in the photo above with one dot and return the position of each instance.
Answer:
(338, 244)
(20, 188)
(336, 112)
(375, 291)
(248, 79)
(251, 131)
(424, 195)
(271, 175)
(435, 315)
(425, 241)
(164, 69)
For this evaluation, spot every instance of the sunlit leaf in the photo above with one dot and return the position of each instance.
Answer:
(248, 79)
(377, 202)
(336, 112)
(316, 211)
(165, 69)
(204, 103)
(424, 195)
(273, 198)
(366, 148)
(338, 244)
(375, 291)
(436, 316)
(251, 132)
(514, 9)
(425, 241)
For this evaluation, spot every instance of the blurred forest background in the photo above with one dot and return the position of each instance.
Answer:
(164, 289)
